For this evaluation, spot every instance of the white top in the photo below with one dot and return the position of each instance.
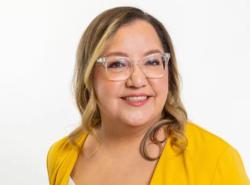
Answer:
(71, 182)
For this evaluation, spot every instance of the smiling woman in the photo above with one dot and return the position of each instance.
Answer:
(134, 128)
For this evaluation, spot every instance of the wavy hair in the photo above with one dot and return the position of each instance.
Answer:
(90, 48)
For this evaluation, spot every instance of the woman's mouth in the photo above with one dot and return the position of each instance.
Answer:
(136, 101)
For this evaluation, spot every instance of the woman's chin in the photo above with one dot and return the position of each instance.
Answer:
(137, 122)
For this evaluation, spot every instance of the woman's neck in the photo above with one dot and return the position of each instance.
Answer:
(120, 141)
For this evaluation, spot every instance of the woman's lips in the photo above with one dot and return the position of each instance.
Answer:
(136, 101)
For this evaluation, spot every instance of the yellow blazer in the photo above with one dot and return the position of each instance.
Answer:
(207, 160)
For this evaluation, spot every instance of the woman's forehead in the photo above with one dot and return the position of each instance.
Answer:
(137, 37)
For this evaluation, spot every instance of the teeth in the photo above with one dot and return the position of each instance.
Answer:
(136, 98)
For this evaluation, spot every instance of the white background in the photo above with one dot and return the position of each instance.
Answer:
(38, 41)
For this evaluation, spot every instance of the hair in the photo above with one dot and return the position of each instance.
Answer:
(90, 48)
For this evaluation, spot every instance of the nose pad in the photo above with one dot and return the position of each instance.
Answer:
(137, 77)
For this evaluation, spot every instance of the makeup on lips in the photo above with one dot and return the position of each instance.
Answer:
(136, 100)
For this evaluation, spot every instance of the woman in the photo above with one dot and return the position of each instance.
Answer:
(134, 128)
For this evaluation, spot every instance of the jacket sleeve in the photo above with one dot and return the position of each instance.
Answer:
(230, 169)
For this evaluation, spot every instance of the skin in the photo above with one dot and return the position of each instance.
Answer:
(119, 119)
(123, 125)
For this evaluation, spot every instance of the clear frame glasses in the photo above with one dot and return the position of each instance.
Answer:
(120, 68)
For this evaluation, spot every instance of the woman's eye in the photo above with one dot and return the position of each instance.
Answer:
(153, 62)
(116, 64)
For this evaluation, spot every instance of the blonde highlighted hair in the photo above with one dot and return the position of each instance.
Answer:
(90, 48)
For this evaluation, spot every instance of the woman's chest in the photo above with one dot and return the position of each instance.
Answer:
(113, 172)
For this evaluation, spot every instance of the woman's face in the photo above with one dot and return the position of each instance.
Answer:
(138, 100)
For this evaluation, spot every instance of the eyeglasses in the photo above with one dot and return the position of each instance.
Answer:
(120, 68)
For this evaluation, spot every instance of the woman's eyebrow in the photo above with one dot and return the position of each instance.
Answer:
(119, 53)
(116, 53)
(152, 52)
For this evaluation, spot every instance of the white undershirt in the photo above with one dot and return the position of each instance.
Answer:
(71, 182)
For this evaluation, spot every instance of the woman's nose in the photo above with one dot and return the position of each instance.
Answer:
(137, 77)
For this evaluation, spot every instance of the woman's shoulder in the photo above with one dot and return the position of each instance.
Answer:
(215, 154)
(57, 152)
(63, 149)
(199, 136)
(62, 156)
(200, 139)
(59, 147)
(204, 146)
(66, 144)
